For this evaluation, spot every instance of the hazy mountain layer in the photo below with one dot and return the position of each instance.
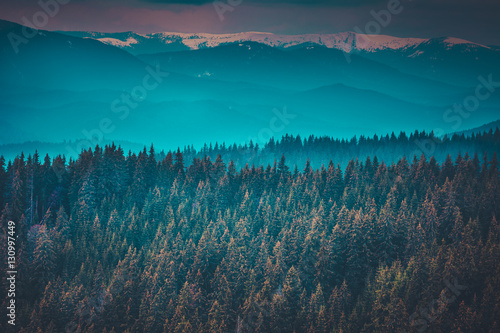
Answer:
(57, 87)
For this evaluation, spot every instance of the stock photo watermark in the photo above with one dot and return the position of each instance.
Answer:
(221, 7)
(380, 19)
(426, 315)
(458, 112)
(121, 107)
(277, 124)
(11, 272)
(48, 9)
(471, 103)
(254, 319)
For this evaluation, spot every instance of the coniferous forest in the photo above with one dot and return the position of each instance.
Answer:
(299, 235)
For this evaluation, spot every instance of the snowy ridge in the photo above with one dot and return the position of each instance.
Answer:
(451, 41)
(119, 43)
(345, 41)
(381, 42)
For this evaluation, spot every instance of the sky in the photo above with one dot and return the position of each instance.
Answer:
(474, 20)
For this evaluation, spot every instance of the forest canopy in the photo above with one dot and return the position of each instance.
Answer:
(300, 235)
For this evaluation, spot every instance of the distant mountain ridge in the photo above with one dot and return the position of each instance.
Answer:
(494, 125)
(60, 87)
(450, 60)
(345, 41)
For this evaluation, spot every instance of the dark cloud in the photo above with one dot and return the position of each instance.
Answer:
(329, 3)
(478, 21)
(334, 3)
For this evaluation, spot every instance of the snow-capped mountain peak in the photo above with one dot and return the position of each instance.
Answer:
(345, 41)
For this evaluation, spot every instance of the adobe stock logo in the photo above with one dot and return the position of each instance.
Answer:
(456, 114)
(48, 10)
(225, 6)
(471, 103)
(277, 124)
(381, 19)
(424, 316)
(121, 107)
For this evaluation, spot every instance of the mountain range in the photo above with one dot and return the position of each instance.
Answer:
(345, 41)
(62, 85)
(416, 56)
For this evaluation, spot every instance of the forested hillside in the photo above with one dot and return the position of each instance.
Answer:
(320, 151)
(192, 242)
